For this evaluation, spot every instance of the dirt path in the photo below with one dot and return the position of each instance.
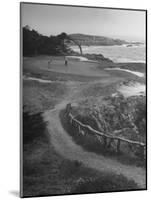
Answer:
(64, 144)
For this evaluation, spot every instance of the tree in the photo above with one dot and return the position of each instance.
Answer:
(63, 36)
(35, 43)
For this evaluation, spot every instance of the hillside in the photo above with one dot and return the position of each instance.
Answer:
(96, 40)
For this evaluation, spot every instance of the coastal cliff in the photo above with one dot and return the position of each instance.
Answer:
(84, 39)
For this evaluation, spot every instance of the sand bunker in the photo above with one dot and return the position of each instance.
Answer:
(80, 58)
(139, 74)
(133, 89)
(37, 79)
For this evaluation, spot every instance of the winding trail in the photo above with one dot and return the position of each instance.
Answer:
(65, 146)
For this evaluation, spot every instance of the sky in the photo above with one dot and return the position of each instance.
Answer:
(52, 20)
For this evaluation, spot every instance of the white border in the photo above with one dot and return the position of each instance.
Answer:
(9, 100)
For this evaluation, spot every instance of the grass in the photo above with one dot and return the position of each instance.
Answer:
(106, 183)
(58, 76)
(37, 67)
(141, 67)
(38, 97)
(45, 172)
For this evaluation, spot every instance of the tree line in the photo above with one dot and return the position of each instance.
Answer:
(38, 44)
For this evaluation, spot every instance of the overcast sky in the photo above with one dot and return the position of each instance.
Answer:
(52, 20)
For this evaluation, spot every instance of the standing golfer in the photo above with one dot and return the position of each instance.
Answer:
(49, 62)
(66, 61)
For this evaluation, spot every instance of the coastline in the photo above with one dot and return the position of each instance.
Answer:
(117, 53)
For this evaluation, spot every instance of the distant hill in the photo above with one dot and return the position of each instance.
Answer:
(96, 40)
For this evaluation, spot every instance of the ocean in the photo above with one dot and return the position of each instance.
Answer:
(116, 53)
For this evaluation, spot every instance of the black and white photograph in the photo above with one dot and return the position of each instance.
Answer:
(83, 99)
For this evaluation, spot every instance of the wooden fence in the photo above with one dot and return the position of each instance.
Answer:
(102, 137)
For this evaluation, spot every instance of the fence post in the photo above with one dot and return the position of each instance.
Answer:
(70, 119)
(82, 132)
(79, 128)
(141, 151)
(105, 141)
(118, 145)
(99, 138)
(68, 108)
(144, 153)
(109, 142)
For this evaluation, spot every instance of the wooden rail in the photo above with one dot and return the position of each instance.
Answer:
(105, 135)
(81, 126)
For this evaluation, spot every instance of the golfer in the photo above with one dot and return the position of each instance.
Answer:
(49, 62)
(66, 61)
